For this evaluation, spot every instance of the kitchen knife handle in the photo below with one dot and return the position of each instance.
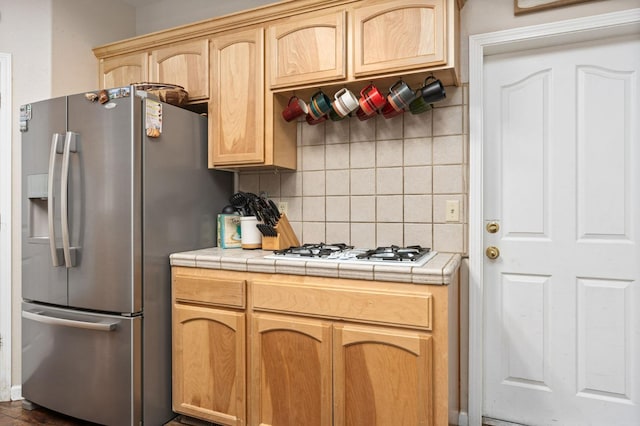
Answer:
(55, 140)
(46, 319)
(69, 147)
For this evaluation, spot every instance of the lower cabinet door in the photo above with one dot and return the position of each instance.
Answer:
(382, 377)
(209, 364)
(290, 371)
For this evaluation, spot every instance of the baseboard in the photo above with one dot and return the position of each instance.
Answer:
(463, 418)
(16, 393)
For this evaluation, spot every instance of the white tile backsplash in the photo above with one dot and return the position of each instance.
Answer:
(337, 182)
(363, 181)
(389, 153)
(362, 155)
(313, 157)
(417, 152)
(391, 128)
(363, 209)
(389, 208)
(389, 180)
(337, 156)
(379, 181)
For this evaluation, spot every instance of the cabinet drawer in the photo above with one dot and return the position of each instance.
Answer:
(413, 309)
(198, 285)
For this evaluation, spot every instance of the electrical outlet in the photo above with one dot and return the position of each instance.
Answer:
(283, 206)
(453, 211)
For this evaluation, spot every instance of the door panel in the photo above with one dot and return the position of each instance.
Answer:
(562, 178)
(82, 365)
(41, 281)
(104, 193)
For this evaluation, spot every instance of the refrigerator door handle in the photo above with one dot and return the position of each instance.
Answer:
(69, 147)
(46, 319)
(56, 148)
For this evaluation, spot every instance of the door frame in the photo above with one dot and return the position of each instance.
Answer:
(5, 225)
(480, 46)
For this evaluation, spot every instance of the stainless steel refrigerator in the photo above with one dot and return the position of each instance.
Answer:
(103, 206)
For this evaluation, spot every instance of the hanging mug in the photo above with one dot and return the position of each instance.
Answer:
(371, 99)
(295, 109)
(432, 91)
(400, 95)
(320, 105)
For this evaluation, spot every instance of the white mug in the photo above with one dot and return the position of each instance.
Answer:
(345, 101)
(250, 236)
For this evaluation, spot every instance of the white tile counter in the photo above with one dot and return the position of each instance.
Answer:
(438, 270)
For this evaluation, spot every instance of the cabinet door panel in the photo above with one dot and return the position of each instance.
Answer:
(397, 35)
(237, 106)
(382, 376)
(291, 371)
(209, 364)
(304, 51)
(123, 70)
(186, 65)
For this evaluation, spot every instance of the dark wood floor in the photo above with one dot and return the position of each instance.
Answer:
(12, 414)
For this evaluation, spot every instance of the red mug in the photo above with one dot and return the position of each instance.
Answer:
(312, 120)
(390, 111)
(371, 99)
(363, 116)
(295, 109)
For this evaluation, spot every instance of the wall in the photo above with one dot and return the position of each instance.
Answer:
(163, 14)
(50, 43)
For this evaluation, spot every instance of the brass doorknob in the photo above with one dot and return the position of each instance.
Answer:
(493, 227)
(492, 252)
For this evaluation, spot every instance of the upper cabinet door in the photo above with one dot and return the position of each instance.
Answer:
(236, 110)
(185, 64)
(398, 35)
(303, 51)
(123, 70)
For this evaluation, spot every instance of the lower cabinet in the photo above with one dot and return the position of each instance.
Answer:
(208, 348)
(382, 376)
(290, 371)
(308, 366)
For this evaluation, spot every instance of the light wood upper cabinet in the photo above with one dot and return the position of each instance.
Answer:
(398, 35)
(236, 110)
(123, 70)
(382, 376)
(307, 50)
(291, 371)
(184, 64)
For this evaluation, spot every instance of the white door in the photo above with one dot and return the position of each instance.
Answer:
(562, 181)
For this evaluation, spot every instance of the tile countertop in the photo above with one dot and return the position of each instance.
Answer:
(439, 270)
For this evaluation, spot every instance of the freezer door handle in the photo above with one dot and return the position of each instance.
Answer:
(46, 319)
(69, 147)
(56, 148)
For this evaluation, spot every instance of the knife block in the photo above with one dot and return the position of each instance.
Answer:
(286, 237)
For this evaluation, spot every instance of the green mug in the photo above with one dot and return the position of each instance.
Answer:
(419, 104)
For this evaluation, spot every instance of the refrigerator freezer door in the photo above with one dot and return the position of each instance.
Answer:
(83, 365)
(41, 155)
(104, 205)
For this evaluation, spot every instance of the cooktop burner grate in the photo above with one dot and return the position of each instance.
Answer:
(395, 253)
(314, 250)
(342, 252)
